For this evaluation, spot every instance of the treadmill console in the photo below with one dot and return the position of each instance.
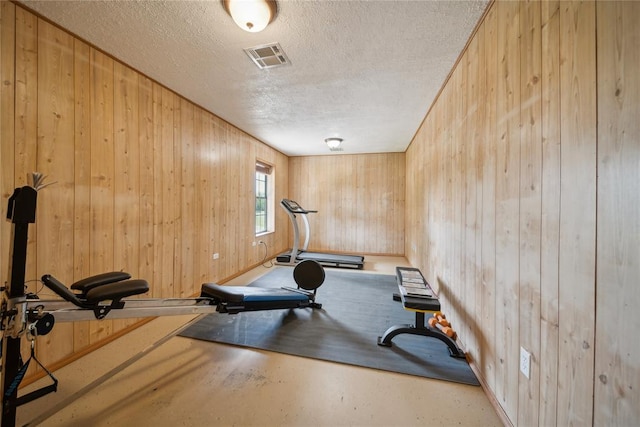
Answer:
(293, 207)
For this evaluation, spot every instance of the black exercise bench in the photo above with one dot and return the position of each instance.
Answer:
(416, 295)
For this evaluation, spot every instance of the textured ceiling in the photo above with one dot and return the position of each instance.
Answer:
(365, 71)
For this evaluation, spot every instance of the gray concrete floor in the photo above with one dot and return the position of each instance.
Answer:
(151, 378)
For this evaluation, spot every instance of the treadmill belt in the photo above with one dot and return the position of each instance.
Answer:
(332, 258)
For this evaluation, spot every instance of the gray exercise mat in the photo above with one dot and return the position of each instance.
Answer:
(356, 309)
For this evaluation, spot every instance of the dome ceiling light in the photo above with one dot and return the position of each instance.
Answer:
(251, 15)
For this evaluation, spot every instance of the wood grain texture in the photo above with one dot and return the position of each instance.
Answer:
(577, 264)
(126, 175)
(473, 195)
(534, 65)
(101, 232)
(146, 181)
(530, 205)
(617, 352)
(523, 153)
(360, 203)
(54, 157)
(82, 178)
(508, 204)
(486, 352)
(8, 46)
(550, 213)
(26, 117)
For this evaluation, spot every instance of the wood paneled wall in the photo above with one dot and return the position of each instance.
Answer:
(145, 181)
(617, 352)
(522, 208)
(359, 198)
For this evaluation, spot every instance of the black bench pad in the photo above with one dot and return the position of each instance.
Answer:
(236, 299)
(243, 294)
(117, 291)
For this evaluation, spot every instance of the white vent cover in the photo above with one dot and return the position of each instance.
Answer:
(336, 149)
(267, 55)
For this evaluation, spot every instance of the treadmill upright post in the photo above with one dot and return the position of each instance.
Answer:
(296, 238)
(307, 232)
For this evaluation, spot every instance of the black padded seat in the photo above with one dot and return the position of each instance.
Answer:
(116, 291)
(84, 285)
(238, 294)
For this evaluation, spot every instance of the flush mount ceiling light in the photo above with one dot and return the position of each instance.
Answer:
(334, 143)
(251, 15)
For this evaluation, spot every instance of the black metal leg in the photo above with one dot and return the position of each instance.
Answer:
(385, 339)
(22, 212)
(420, 329)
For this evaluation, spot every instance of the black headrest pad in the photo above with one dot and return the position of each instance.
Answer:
(308, 274)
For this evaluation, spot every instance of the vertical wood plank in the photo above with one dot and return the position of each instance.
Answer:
(55, 158)
(146, 266)
(167, 188)
(177, 197)
(530, 205)
(216, 196)
(159, 175)
(470, 153)
(203, 202)
(617, 372)
(26, 120)
(126, 167)
(24, 146)
(456, 287)
(126, 175)
(102, 176)
(7, 120)
(82, 178)
(577, 213)
(26, 96)
(507, 206)
(234, 174)
(488, 359)
(189, 227)
(550, 212)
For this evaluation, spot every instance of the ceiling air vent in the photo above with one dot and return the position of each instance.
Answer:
(267, 56)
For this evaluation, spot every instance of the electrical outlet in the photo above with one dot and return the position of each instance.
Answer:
(253, 243)
(525, 362)
(216, 255)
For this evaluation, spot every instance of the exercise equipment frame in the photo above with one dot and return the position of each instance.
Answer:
(105, 295)
(300, 253)
(420, 305)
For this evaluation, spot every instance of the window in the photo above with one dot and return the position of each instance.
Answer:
(264, 198)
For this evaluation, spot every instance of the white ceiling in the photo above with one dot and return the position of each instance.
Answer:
(366, 71)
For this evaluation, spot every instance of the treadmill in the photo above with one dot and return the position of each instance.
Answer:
(300, 253)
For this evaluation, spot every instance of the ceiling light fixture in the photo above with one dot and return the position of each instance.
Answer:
(251, 15)
(333, 143)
